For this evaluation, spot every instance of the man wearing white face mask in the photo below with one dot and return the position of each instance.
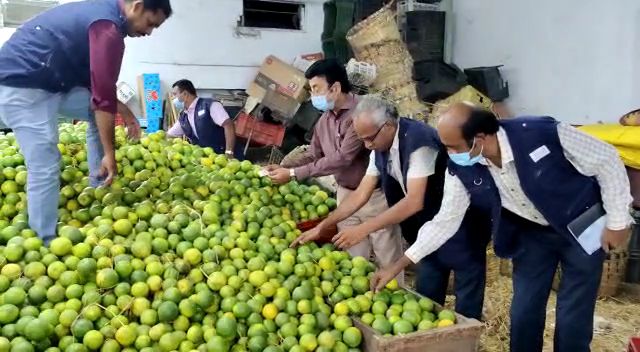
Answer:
(203, 121)
(557, 196)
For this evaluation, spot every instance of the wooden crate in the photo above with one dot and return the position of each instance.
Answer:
(464, 336)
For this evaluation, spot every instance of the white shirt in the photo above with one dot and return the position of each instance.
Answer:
(590, 156)
(422, 163)
(218, 114)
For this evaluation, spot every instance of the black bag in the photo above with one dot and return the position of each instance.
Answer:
(488, 81)
(437, 80)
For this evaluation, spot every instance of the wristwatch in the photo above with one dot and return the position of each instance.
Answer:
(292, 173)
(229, 152)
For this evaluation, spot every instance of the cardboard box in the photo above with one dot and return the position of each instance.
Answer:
(303, 62)
(150, 93)
(286, 86)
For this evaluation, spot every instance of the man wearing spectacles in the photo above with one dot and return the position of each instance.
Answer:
(409, 162)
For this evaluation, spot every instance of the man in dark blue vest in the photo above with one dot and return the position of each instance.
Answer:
(559, 196)
(67, 60)
(409, 164)
(203, 121)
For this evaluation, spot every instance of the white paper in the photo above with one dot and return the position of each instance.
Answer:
(262, 173)
(591, 238)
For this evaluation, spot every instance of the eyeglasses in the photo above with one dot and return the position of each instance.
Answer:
(373, 137)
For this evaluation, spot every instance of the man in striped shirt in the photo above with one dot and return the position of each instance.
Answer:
(561, 197)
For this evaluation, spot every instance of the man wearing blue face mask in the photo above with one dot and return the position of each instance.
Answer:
(203, 121)
(336, 150)
(559, 196)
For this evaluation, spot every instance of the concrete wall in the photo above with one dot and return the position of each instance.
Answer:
(199, 42)
(577, 60)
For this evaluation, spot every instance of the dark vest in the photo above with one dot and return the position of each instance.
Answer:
(51, 51)
(559, 191)
(209, 133)
(469, 243)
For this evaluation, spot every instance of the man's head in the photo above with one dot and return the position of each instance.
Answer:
(328, 80)
(183, 92)
(143, 16)
(467, 131)
(375, 121)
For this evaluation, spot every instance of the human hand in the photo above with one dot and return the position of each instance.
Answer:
(349, 237)
(133, 128)
(108, 168)
(280, 176)
(612, 239)
(383, 275)
(271, 167)
(307, 236)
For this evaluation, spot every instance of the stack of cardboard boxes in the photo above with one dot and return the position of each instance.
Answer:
(280, 87)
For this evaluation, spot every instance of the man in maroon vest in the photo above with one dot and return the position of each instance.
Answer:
(67, 60)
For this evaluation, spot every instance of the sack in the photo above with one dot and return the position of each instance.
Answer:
(626, 140)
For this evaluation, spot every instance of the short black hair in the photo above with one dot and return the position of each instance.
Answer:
(332, 71)
(479, 121)
(157, 5)
(185, 84)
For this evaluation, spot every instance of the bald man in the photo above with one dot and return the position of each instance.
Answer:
(408, 162)
(559, 196)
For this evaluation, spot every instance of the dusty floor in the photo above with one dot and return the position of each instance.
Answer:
(617, 319)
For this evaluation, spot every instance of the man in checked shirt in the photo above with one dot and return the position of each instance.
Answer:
(409, 161)
(540, 176)
(337, 150)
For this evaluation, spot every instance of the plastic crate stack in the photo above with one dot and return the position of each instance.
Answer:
(422, 26)
(365, 8)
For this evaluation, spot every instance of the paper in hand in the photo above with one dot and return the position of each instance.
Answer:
(591, 239)
(587, 228)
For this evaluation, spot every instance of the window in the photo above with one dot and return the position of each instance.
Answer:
(16, 12)
(279, 14)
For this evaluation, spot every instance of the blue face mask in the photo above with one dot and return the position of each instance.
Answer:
(178, 104)
(465, 159)
(321, 103)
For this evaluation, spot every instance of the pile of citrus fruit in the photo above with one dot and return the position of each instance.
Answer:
(185, 251)
(395, 311)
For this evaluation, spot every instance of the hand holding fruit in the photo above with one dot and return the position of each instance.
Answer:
(311, 235)
(108, 168)
(383, 275)
(349, 237)
(280, 176)
(133, 128)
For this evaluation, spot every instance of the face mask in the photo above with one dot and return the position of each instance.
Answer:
(465, 159)
(178, 104)
(321, 103)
